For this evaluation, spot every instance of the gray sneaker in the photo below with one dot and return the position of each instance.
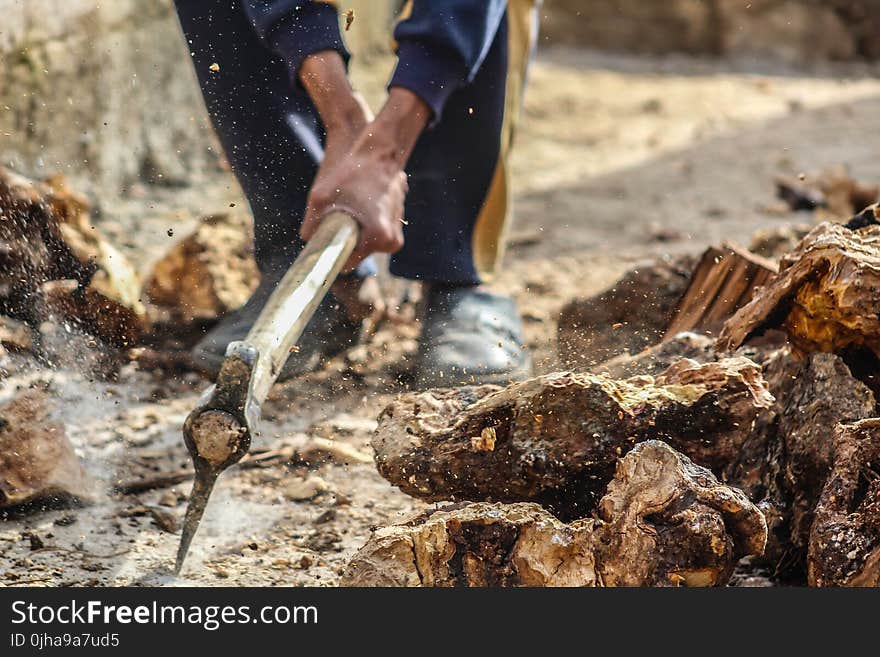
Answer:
(329, 332)
(470, 336)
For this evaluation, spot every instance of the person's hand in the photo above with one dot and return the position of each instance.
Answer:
(368, 183)
(362, 171)
(344, 129)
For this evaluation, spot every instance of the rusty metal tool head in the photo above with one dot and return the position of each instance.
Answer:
(217, 434)
(218, 431)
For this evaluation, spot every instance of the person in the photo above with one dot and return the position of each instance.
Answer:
(427, 178)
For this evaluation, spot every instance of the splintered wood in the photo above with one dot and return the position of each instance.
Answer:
(663, 522)
(557, 437)
(54, 261)
(826, 296)
(724, 281)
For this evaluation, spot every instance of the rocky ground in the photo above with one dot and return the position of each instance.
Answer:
(618, 159)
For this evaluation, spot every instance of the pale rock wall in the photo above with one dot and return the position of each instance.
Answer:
(103, 91)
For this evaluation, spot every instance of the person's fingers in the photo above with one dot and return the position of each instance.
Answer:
(317, 207)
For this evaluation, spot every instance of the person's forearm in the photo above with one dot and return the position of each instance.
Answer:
(324, 77)
(398, 125)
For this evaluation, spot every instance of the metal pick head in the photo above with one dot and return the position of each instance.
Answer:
(203, 484)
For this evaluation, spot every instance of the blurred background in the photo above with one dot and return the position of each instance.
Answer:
(103, 90)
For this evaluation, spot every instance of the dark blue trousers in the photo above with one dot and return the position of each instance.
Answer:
(273, 138)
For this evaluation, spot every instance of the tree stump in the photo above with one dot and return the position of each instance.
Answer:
(554, 439)
(664, 521)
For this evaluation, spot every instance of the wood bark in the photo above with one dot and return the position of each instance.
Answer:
(53, 260)
(826, 296)
(787, 458)
(554, 439)
(723, 281)
(845, 538)
(628, 317)
(664, 521)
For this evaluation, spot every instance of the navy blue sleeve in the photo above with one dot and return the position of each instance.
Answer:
(441, 45)
(295, 29)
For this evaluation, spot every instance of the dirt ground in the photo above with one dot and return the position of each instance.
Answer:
(618, 158)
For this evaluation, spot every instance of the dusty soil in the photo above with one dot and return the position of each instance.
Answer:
(619, 159)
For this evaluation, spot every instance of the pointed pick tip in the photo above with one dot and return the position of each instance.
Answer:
(181, 557)
(182, 551)
(198, 500)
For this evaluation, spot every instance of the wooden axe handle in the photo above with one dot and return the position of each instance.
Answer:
(294, 301)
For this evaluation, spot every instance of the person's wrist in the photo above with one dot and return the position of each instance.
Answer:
(345, 117)
(325, 78)
(398, 126)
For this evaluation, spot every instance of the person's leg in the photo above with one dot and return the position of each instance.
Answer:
(267, 127)
(457, 211)
(273, 138)
(459, 203)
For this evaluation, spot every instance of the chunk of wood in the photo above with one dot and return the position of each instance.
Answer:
(627, 318)
(557, 436)
(46, 235)
(669, 521)
(724, 281)
(787, 464)
(476, 545)
(208, 273)
(845, 537)
(816, 395)
(37, 461)
(826, 296)
(663, 522)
